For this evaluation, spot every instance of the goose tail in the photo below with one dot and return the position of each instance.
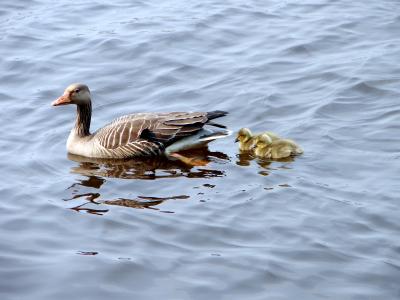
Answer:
(214, 115)
(199, 140)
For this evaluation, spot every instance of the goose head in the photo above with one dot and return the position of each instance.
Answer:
(263, 140)
(244, 135)
(76, 93)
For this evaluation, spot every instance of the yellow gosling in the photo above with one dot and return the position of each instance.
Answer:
(279, 148)
(245, 139)
(262, 146)
(273, 136)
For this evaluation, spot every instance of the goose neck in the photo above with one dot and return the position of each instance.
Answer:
(83, 117)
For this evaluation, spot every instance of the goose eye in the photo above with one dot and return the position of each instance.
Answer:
(77, 90)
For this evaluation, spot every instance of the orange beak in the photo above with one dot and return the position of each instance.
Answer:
(63, 100)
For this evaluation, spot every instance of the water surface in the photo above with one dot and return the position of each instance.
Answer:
(321, 226)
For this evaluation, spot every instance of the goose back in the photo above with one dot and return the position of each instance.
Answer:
(144, 134)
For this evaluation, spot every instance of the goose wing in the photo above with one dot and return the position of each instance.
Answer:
(149, 133)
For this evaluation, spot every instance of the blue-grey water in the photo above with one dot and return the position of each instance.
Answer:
(324, 225)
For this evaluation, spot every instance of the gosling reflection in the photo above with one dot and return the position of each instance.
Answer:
(245, 158)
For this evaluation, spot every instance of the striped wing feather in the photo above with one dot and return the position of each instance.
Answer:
(148, 133)
(138, 147)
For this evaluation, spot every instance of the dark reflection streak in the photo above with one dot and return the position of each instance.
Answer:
(166, 198)
(153, 201)
(133, 203)
(92, 181)
(79, 208)
(89, 196)
(87, 252)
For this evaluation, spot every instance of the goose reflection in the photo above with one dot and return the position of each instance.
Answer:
(96, 172)
(91, 205)
(149, 168)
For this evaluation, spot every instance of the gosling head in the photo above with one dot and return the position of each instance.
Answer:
(76, 93)
(263, 141)
(243, 135)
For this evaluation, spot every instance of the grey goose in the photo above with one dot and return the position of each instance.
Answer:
(136, 135)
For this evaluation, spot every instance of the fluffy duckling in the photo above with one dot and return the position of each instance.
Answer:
(265, 147)
(272, 136)
(247, 140)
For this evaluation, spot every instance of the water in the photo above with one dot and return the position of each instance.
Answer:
(322, 226)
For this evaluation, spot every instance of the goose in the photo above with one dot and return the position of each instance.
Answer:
(265, 147)
(247, 140)
(136, 135)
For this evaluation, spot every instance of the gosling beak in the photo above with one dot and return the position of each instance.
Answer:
(63, 100)
(236, 140)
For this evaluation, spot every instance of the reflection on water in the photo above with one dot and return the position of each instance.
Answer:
(149, 168)
(321, 227)
(87, 252)
(96, 172)
(245, 158)
(141, 202)
(89, 199)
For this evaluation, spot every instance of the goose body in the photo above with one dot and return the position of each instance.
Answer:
(135, 135)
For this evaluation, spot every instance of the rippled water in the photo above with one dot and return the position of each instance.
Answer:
(322, 226)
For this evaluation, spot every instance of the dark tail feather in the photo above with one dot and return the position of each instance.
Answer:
(216, 114)
(216, 124)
